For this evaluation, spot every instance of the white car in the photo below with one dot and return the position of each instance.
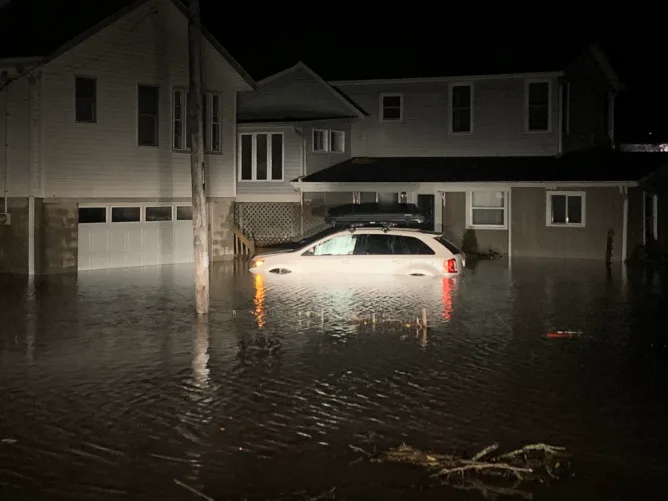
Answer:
(365, 250)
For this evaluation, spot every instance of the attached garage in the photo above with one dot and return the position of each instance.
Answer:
(141, 234)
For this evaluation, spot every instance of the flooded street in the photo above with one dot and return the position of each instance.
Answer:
(109, 389)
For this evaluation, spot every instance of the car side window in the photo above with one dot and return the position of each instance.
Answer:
(342, 245)
(379, 245)
(417, 246)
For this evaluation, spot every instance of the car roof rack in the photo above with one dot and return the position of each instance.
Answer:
(377, 215)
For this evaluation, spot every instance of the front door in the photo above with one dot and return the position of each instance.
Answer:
(426, 203)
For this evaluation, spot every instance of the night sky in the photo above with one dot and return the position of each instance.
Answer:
(344, 39)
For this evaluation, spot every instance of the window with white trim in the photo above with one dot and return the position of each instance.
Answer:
(487, 210)
(461, 106)
(565, 208)
(337, 141)
(261, 156)
(391, 107)
(148, 103)
(320, 140)
(538, 106)
(85, 93)
(211, 121)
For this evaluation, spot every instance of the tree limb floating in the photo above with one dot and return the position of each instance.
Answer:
(531, 463)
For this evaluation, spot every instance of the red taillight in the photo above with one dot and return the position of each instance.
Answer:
(450, 266)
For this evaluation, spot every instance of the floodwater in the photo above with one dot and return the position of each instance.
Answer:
(109, 388)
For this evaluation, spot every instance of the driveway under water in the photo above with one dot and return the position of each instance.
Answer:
(109, 388)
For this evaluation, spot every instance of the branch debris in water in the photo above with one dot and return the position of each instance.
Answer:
(485, 472)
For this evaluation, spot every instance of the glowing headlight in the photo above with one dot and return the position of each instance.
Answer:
(256, 263)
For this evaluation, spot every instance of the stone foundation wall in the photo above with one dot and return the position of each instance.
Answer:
(57, 233)
(14, 237)
(221, 215)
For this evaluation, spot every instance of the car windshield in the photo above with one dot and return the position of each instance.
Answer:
(317, 236)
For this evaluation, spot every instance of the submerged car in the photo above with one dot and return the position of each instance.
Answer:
(366, 242)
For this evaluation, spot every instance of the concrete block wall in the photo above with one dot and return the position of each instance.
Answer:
(14, 237)
(221, 215)
(58, 232)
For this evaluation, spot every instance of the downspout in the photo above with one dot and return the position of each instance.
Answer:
(300, 132)
(625, 223)
(4, 82)
(510, 225)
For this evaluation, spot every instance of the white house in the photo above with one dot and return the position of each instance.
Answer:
(94, 163)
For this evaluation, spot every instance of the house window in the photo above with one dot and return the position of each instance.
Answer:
(337, 141)
(565, 208)
(565, 108)
(86, 100)
(184, 213)
(211, 121)
(538, 106)
(487, 210)
(147, 115)
(391, 107)
(261, 156)
(461, 101)
(319, 140)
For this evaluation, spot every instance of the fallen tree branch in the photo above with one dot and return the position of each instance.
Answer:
(548, 449)
(487, 450)
(485, 466)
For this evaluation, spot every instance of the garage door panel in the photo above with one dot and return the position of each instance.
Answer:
(117, 245)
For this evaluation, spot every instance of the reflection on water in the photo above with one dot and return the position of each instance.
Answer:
(110, 388)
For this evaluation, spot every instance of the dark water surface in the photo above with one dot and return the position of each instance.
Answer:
(109, 389)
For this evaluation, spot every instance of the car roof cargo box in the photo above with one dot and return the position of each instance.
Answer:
(374, 214)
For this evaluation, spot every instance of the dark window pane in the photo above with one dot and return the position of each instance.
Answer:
(276, 156)
(158, 213)
(178, 135)
(125, 214)
(184, 213)
(92, 215)
(215, 137)
(388, 198)
(539, 93)
(380, 245)
(538, 118)
(461, 96)
(461, 120)
(246, 157)
(337, 141)
(559, 209)
(417, 246)
(147, 130)
(391, 113)
(318, 140)
(491, 217)
(392, 101)
(148, 99)
(574, 210)
(448, 245)
(261, 162)
(86, 99)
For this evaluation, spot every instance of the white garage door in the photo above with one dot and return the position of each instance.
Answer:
(125, 235)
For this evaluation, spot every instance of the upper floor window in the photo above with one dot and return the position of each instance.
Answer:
(538, 106)
(319, 140)
(565, 208)
(391, 107)
(461, 103)
(86, 99)
(261, 156)
(487, 209)
(147, 115)
(211, 121)
(333, 141)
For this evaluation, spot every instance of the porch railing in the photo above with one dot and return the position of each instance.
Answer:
(243, 246)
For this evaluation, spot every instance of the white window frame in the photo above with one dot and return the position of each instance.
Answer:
(451, 107)
(381, 115)
(254, 157)
(325, 140)
(470, 209)
(527, 86)
(331, 134)
(208, 128)
(548, 208)
(157, 117)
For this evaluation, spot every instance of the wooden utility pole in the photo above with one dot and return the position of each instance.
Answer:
(200, 226)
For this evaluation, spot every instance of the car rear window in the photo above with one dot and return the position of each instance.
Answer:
(448, 245)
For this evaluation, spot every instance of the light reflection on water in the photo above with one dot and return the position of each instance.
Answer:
(109, 387)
